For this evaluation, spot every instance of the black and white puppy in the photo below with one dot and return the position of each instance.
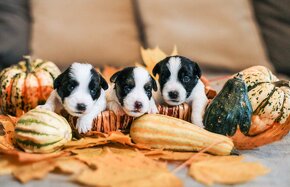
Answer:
(179, 81)
(131, 92)
(81, 92)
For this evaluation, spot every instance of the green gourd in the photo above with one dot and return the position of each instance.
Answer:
(229, 109)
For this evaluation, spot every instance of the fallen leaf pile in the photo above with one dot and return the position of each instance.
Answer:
(112, 159)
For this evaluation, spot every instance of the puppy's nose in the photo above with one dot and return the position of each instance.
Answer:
(81, 107)
(173, 94)
(138, 105)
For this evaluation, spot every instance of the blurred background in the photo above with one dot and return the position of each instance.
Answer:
(221, 35)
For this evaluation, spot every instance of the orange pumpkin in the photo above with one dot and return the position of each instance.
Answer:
(26, 85)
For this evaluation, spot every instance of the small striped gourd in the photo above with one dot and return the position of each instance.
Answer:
(164, 132)
(253, 108)
(42, 131)
(269, 96)
(26, 85)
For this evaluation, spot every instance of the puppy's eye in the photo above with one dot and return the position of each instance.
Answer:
(71, 87)
(186, 79)
(93, 91)
(148, 88)
(127, 89)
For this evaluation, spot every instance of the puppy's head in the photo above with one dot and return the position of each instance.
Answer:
(79, 87)
(177, 78)
(133, 87)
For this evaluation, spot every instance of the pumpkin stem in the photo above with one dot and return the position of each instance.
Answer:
(27, 60)
(281, 83)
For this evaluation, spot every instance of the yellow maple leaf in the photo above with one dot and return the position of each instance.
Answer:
(151, 57)
(226, 170)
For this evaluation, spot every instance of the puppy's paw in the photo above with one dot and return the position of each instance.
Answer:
(197, 121)
(153, 110)
(84, 124)
(46, 107)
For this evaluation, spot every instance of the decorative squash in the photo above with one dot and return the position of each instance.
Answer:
(230, 108)
(165, 132)
(42, 131)
(26, 85)
(270, 107)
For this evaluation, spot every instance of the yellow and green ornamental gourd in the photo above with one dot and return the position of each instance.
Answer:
(269, 96)
(253, 107)
(26, 85)
(42, 131)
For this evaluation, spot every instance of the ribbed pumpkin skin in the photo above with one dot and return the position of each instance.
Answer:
(269, 97)
(42, 131)
(26, 85)
(164, 132)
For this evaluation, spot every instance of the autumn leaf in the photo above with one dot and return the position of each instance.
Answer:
(172, 156)
(70, 165)
(120, 170)
(30, 157)
(226, 170)
(37, 170)
(8, 164)
(101, 139)
(108, 71)
(89, 154)
(7, 126)
(151, 57)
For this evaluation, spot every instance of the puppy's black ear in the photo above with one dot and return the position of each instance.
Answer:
(154, 85)
(58, 80)
(114, 77)
(103, 83)
(195, 67)
(156, 69)
(197, 70)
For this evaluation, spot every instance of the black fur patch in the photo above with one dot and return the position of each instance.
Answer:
(65, 84)
(188, 74)
(96, 83)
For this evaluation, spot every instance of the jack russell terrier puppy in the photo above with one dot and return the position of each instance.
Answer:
(179, 81)
(81, 92)
(131, 92)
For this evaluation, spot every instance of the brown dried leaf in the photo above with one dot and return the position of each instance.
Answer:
(89, 154)
(29, 157)
(7, 126)
(108, 71)
(120, 170)
(70, 165)
(152, 56)
(226, 170)
(173, 156)
(32, 171)
(8, 164)
(101, 139)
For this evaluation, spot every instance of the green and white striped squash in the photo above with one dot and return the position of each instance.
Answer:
(42, 131)
(269, 97)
